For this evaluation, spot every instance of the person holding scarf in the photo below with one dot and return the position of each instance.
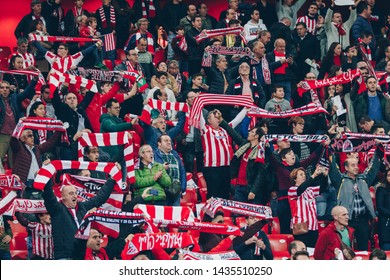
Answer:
(72, 15)
(261, 70)
(334, 56)
(55, 17)
(282, 67)
(106, 24)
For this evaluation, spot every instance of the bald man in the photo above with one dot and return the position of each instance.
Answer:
(296, 246)
(330, 238)
(353, 193)
(67, 214)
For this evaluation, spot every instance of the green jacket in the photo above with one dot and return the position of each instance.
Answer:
(144, 178)
(110, 123)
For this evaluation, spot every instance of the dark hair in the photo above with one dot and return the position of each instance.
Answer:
(330, 54)
(259, 131)
(12, 61)
(110, 102)
(361, 7)
(385, 183)
(234, 21)
(366, 34)
(300, 253)
(33, 25)
(179, 27)
(294, 174)
(195, 17)
(157, 93)
(254, 9)
(333, 70)
(44, 87)
(34, 107)
(283, 152)
(22, 40)
(301, 23)
(159, 74)
(159, 63)
(364, 119)
(159, 139)
(371, 77)
(274, 88)
(379, 253)
(375, 127)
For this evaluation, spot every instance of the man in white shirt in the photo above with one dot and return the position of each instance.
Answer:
(254, 26)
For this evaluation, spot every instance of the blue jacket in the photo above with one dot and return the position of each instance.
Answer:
(15, 101)
(182, 171)
(361, 24)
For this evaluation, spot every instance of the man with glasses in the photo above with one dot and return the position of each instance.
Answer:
(111, 122)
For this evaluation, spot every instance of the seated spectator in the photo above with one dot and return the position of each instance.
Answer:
(378, 254)
(296, 246)
(151, 174)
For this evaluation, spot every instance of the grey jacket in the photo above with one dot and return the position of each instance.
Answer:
(344, 185)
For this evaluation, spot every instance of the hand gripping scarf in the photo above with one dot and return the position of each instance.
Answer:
(308, 109)
(110, 139)
(222, 31)
(228, 255)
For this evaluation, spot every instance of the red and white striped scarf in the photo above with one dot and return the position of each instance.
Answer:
(200, 226)
(287, 137)
(149, 40)
(46, 172)
(58, 78)
(365, 51)
(40, 124)
(109, 42)
(281, 70)
(344, 78)
(77, 12)
(222, 31)
(151, 9)
(220, 99)
(29, 73)
(43, 38)
(171, 213)
(112, 17)
(207, 55)
(161, 105)
(107, 222)
(340, 28)
(28, 206)
(308, 109)
(7, 202)
(143, 242)
(264, 69)
(245, 209)
(183, 44)
(10, 182)
(110, 139)
(228, 255)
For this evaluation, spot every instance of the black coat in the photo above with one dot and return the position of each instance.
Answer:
(63, 224)
(194, 50)
(383, 208)
(308, 47)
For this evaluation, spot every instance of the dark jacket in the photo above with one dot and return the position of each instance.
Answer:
(15, 101)
(383, 209)
(63, 224)
(308, 47)
(22, 157)
(247, 252)
(24, 25)
(215, 78)
(258, 94)
(194, 50)
(361, 106)
(273, 65)
(51, 11)
(70, 116)
(171, 15)
(361, 24)
(110, 123)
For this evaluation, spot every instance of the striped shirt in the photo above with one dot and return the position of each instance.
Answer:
(28, 59)
(310, 23)
(63, 64)
(42, 240)
(216, 147)
(303, 207)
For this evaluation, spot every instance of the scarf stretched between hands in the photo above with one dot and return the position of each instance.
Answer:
(205, 34)
(103, 17)
(58, 78)
(107, 222)
(46, 172)
(142, 242)
(38, 123)
(151, 9)
(287, 137)
(110, 139)
(134, 76)
(42, 38)
(220, 99)
(344, 78)
(246, 209)
(10, 182)
(189, 255)
(208, 58)
(309, 109)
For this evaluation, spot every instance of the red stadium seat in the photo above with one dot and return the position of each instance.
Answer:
(388, 255)
(283, 255)
(108, 63)
(5, 52)
(18, 244)
(4, 63)
(241, 222)
(280, 242)
(120, 54)
(190, 197)
(202, 186)
(228, 221)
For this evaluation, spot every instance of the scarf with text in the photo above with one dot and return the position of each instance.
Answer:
(286, 137)
(264, 69)
(103, 17)
(228, 255)
(205, 34)
(28, 206)
(151, 9)
(305, 110)
(352, 145)
(107, 222)
(110, 139)
(40, 124)
(142, 242)
(135, 77)
(10, 182)
(93, 74)
(87, 187)
(43, 38)
(46, 172)
(345, 77)
(220, 99)
(58, 78)
(244, 209)
(208, 58)
(200, 226)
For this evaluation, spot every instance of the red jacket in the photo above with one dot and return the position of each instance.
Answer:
(328, 241)
(90, 255)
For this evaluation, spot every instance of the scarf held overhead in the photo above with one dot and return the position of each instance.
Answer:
(42, 38)
(111, 139)
(57, 78)
(205, 34)
(189, 255)
(309, 109)
(208, 58)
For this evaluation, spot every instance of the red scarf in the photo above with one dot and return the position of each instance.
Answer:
(149, 39)
(308, 109)
(151, 9)
(94, 256)
(281, 70)
(112, 17)
(340, 29)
